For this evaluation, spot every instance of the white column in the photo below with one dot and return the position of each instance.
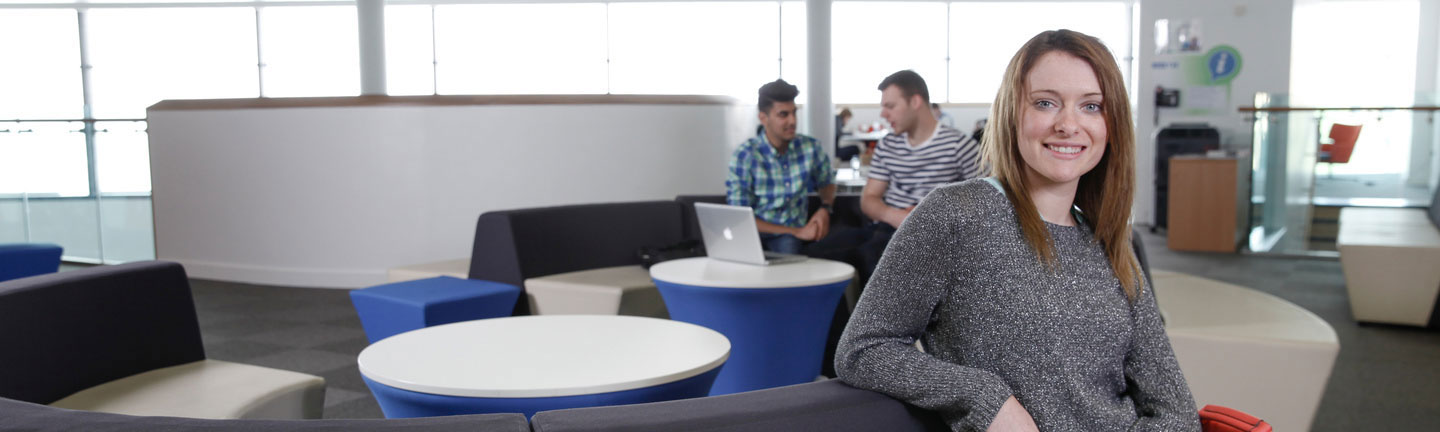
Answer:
(819, 107)
(371, 14)
(1427, 82)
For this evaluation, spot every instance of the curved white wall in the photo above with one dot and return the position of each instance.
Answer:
(283, 193)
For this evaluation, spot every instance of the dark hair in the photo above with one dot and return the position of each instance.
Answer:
(909, 82)
(777, 91)
(934, 105)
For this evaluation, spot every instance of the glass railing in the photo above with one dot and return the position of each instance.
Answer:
(1297, 190)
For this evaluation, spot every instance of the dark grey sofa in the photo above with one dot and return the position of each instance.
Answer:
(513, 245)
(25, 416)
(66, 332)
(819, 406)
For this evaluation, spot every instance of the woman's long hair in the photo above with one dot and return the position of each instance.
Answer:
(1106, 192)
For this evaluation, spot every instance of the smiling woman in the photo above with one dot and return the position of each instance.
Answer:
(1062, 128)
(1023, 288)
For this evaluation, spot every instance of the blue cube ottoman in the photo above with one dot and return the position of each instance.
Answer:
(18, 260)
(391, 309)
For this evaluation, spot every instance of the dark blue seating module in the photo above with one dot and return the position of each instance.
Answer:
(514, 245)
(24, 416)
(819, 406)
(67, 332)
(20, 260)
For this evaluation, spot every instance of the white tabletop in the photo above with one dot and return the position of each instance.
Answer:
(707, 272)
(865, 136)
(544, 356)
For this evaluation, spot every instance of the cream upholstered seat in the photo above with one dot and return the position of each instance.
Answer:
(1390, 258)
(1246, 349)
(126, 339)
(456, 268)
(623, 290)
(210, 389)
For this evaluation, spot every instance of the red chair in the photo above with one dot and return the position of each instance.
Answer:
(1341, 145)
(1215, 418)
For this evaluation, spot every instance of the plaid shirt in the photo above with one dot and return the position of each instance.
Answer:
(777, 185)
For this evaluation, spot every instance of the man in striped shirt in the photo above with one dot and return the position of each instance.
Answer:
(919, 155)
(774, 173)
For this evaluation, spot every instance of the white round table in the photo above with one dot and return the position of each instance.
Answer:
(777, 317)
(540, 358)
(724, 274)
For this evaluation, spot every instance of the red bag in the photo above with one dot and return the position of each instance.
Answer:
(1215, 418)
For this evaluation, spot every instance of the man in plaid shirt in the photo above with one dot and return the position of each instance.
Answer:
(774, 173)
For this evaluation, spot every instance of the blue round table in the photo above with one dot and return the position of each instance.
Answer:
(538, 363)
(776, 317)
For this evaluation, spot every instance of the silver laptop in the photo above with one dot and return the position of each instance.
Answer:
(730, 234)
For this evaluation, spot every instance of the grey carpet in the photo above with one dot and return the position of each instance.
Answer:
(1386, 377)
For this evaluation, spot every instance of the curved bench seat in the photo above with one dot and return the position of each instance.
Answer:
(211, 389)
(1389, 256)
(1247, 349)
(125, 338)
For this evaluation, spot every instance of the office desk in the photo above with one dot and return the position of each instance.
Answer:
(537, 363)
(777, 317)
(1208, 204)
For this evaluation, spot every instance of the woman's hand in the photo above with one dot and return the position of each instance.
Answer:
(1012, 418)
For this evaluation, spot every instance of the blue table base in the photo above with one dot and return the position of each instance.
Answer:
(398, 403)
(777, 335)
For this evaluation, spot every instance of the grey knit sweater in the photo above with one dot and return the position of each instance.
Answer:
(959, 277)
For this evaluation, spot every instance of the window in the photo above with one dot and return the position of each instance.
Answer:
(984, 36)
(310, 51)
(867, 46)
(1377, 45)
(40, 79)
(122, 158)
(520, 48)
(794, 55)
(1378, 48)
(138, 57)
(43, 159)
(960, 48)
(409, 50)
(693, 48)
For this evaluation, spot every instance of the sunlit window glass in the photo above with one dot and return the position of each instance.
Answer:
(866, 49)
(409, 50)
(310, 51)
(43, 159)
(40, 78)
(984, 36)
(143, 56)
(793, 38)
(122, 157)
(1377, 47)
(693, 48)
(520, 48)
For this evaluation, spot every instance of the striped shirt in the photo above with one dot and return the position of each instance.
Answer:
(912, 172)
(776, 186)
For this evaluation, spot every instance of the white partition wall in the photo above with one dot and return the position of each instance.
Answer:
(331, 192)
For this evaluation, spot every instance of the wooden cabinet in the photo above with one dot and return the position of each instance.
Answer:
(1206, 209)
